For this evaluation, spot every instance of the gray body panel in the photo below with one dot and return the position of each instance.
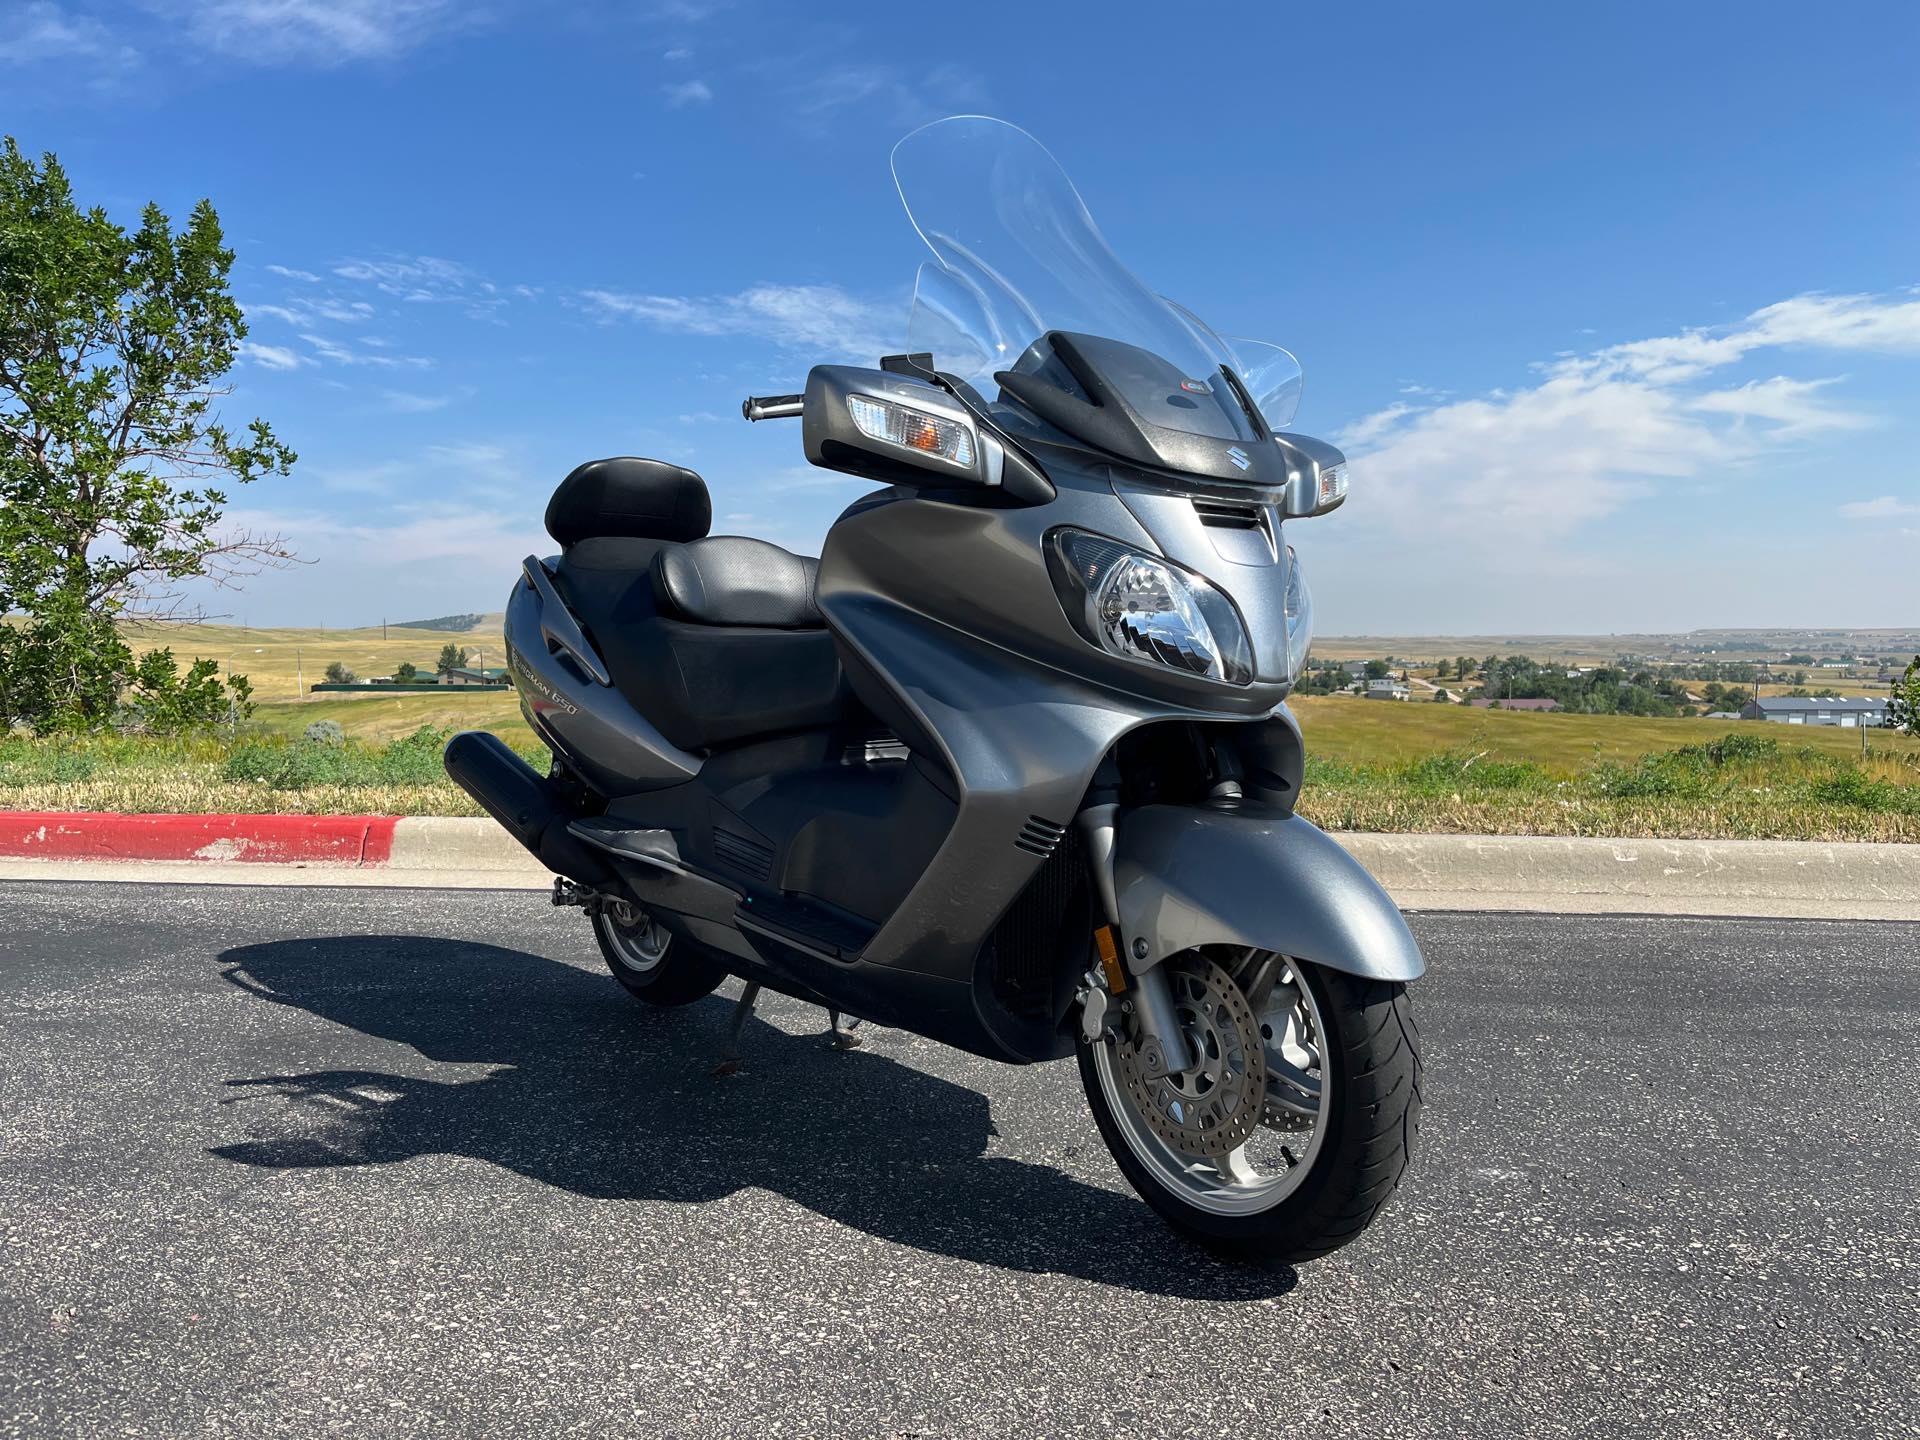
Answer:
(596, 726)
(1251, 875)
(953, 637)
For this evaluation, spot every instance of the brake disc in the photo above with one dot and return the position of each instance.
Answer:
(1214, 1108)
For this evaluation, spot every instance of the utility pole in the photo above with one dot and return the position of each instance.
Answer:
(299, 678)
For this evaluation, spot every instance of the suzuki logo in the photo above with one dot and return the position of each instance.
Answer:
(1241, 460)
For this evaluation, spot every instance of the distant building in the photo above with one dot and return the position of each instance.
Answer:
(1832, 710)
(422, 675)
(1723, 715)
(492, 675)
(1386, 690)
(1488, 703)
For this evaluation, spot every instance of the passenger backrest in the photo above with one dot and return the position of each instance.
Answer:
(629, 497)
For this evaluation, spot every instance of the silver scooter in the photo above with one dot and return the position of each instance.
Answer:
(1010, 765)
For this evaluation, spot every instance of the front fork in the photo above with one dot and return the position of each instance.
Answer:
(1164, 1048)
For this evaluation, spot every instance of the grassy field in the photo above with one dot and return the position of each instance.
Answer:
(389, 717)
(1372, 765)
(1386, 732)
(277, 661)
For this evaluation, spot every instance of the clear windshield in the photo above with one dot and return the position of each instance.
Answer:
(1017, 255)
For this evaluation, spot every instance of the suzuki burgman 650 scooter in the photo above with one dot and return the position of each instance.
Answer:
(1009, 765)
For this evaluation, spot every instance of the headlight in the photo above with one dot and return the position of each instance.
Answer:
(1299, 604)
(1141, 607)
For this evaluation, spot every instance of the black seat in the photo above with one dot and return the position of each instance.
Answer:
(731, 580)
(717, 639)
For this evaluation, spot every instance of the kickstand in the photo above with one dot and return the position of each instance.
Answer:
(842, 1036)
(742, 1008)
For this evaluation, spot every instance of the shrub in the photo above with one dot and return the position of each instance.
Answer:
(284, 766)
(415, 760)
(1449, 772)
(295, 765)
(326, 732)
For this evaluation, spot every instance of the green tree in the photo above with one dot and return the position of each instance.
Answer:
(1903, 708)
(452, 657)
(1377, 669)
(405, 672)
(1440, 695)
(1443, 668)
(339, 674)
(113, 459)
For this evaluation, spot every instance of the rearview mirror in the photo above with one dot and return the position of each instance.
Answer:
(888, 427)
(1317, 476)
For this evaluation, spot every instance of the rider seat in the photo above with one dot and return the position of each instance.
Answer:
(715, 639)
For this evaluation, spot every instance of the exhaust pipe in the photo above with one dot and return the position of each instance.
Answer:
(525, 803)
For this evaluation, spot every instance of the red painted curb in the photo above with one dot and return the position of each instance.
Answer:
(264, 839)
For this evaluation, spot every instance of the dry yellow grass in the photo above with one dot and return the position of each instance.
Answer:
(1375, 732)
(388, 717)
(277, 660)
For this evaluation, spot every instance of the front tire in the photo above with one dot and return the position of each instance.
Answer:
(650, 962)
(1341, 1047)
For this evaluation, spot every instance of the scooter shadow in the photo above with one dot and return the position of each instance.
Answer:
(603, 1097)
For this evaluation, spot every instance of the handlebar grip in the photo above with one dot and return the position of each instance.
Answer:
(773, 407)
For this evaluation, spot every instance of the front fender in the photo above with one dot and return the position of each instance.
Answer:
(1252, 875)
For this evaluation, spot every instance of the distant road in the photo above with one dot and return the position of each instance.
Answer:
(297, 1162)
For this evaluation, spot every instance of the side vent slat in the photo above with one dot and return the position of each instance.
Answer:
(1039, 836)
(1229, 515)
(737, 852)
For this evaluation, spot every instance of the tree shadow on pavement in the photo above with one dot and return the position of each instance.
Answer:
(605, 1097)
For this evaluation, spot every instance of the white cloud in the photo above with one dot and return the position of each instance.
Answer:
(677, 54)
(1369, 428)
(464, 468)
(894, 94)
(406, 402)
(387, 560)
(429, 280)
(311, 312)
(1827, 322)
(1604, 428)
(1544, 460)
(337, 353)
(472, 457)
(1789, 404)
(287, 272)
(272, 357)
(317, 32)
(1886, 507)
(687, 92)
(822, 319)
(41, 31)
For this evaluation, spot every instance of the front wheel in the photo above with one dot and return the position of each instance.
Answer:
(649, 961)
(1286, 1154)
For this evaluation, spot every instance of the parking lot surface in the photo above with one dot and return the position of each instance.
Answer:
(293, 1162)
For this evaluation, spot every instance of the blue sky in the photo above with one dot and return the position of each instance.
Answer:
(1616, 306)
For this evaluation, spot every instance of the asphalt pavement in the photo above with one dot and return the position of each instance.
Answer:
(292, 1162)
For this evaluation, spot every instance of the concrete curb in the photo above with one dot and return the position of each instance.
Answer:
(1434, 872)
(1818, 879)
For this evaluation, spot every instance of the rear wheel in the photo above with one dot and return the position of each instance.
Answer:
(650, 962)
(1287, 1153)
